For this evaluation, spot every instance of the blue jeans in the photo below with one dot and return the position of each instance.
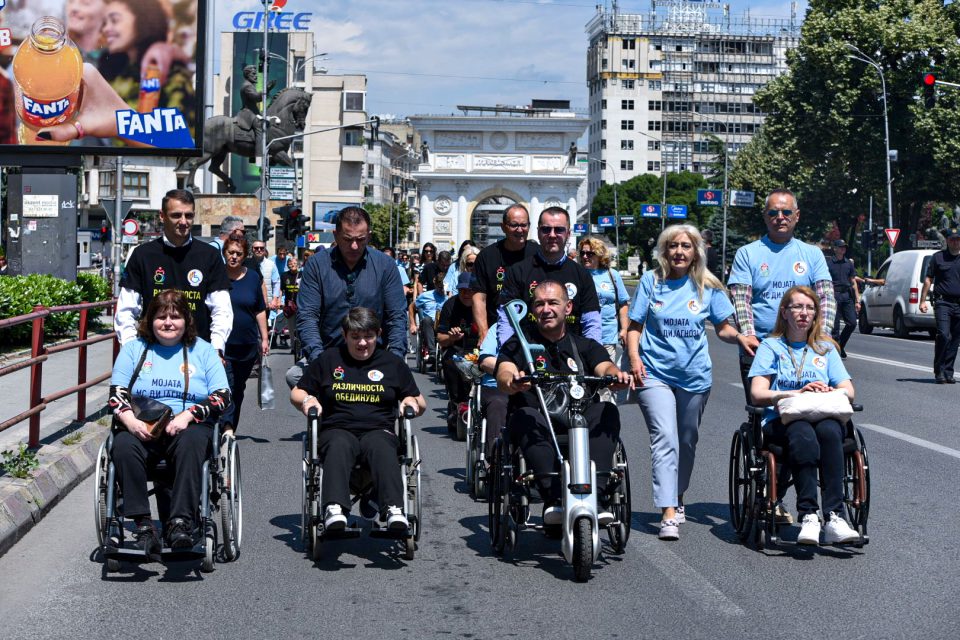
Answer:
(947, 315)
(673, 419)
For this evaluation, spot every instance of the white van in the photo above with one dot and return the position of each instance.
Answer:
(896, 303)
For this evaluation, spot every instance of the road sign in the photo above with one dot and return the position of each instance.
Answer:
(281, 183)
(280, 194)
(892, 235)
(650, 210)
(131, 227)
(709, 197)
(580, 229)
(110, 206)
(281, 172)
(626, 221)
(606, 221)
(676, 211)
(927, 244)
(128, 240)
(741, 198)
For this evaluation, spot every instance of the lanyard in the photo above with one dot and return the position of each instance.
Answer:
(803, 358)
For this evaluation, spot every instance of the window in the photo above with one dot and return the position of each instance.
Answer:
(628, 84)
(653, 125)
(300, 70)
(353, 100)
(135, 184)
(656, 85)
(626, 105)
(653, 165)
(626, 145)
(629, 64)
(603, 124)
(603, 103)
(369, 170)
(629, 43)
(603, 63)
(352, 137)
(653, 145)
(654, 105)
(603, 143)
(626, 165)
(626, 125)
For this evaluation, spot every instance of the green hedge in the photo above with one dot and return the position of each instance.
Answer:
(20, 294)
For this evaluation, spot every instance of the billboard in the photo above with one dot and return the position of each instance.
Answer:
(246, 50)
(105, 77)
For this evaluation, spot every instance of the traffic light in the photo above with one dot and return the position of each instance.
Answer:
(929, 89)
(265, 231)
(298, 220)
(866, 239)
(292, 221)
(879, 237)
(104, 232)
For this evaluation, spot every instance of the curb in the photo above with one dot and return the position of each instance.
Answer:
(23, 503)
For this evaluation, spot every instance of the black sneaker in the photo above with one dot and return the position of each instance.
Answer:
(148, 541)
(941, 380)
(843, 353)
(179, 534)
(950, 381)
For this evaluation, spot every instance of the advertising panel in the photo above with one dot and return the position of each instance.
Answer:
(108, 77)
(246, 51)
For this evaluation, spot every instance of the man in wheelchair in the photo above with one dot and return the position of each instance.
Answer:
(566, 353)
(356, 387)
(458, 336)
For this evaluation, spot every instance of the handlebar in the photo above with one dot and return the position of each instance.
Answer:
(541, 378)
(313, 413)
(409, 413)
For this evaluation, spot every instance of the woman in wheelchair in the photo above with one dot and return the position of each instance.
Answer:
(356, 388)
(798, 357)
(170, 364)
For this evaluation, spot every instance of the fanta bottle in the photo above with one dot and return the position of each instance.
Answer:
(47, 71)
(149, 90)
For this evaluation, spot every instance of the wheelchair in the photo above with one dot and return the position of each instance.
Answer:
(221, 499)
(361, 486)
(753, 490)
(510, 491)
(476, 438)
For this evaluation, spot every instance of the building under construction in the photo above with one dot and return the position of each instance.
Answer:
(662, 84)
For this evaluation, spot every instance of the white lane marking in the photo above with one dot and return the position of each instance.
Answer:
(685, 578)
(738, 385)
(920, 442)
(894, 363)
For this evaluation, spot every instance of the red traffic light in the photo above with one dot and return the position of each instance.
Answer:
(929, 79)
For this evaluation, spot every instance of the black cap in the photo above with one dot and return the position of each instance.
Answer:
(952, 233)
(839, 243)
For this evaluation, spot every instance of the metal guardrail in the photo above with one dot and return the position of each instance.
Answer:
(39, 354)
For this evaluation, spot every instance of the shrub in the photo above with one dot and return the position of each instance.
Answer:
(93, 288)
(20, 294)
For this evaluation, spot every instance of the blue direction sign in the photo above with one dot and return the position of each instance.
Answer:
(650, 210)
(580, 229)
(676, 211)
(709, 197)
(606, 221)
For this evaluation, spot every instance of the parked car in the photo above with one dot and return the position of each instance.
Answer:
(896, 302)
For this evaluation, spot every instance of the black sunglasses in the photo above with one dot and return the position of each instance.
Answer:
(558, 231)
(786, 213)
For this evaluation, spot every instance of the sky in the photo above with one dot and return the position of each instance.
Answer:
(428, 56)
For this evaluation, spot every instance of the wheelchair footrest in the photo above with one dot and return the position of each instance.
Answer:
(341, 534)
(166, 554)
(391, 534)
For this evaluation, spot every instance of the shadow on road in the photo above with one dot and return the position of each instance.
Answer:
(376, 553)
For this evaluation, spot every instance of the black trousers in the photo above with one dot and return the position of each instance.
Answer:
(948, 337)
(428, 335)
(493, 403)
(847, 311)
(376, 449)
(240, 372)
(527, 428)
(812, 448)
(185, 453)
(458, 389)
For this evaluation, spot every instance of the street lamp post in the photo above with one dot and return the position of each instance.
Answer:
(726, 188)
(616, 206)
(264, 162)
(862, 57)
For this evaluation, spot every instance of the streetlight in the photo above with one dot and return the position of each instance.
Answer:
(616, 207)
(862, 57)
(726, 189)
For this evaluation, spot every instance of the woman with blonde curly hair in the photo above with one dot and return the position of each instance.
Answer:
(613, 295)
(667, 346)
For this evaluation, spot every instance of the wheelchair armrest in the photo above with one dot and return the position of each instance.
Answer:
(755, 410)
(856, 406)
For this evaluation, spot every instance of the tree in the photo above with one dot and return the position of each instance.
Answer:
(386, 219)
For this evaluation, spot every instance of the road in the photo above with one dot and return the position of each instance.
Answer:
(707, 585)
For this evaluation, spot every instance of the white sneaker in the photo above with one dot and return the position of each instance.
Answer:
(809, 530)
(553, 515)
(681, 515)
(334, 519)
(604, 518)
(396, 520)
(669, 530)
(837, 531)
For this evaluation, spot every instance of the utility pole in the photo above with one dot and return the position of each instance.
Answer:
(118, 227)
(265, 122)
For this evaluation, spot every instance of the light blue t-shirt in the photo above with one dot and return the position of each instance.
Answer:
(404, 278)
(452, 278)
(489, 348)
(161, 376)
(782, 360)
(673, 345)
(608, 294)
(771, 269)
(429, 302)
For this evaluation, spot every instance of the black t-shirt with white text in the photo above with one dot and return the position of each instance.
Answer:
(454, 313)
(194, 269)
(944, 271)
(491, 271)
(429, 273)
(558, 358)
(523, 278)
(358, 395)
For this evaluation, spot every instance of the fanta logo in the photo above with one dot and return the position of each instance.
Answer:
(338, 373)
(764, 269)
(500, 273)
(195, 277)
(159, 275)
(42, 109)
(540, 363)
(694, 306)
(150, 85)
(820, 362)
(162, 127)
(799, 268)
(375, 375)
(571, 290)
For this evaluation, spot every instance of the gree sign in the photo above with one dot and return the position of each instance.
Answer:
(278, 21)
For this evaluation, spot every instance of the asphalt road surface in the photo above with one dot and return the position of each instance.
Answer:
(707, 585)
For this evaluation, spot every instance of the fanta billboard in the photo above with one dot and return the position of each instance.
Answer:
(276, 20)
(110, 77)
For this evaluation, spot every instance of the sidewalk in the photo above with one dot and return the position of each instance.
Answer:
(62, 466)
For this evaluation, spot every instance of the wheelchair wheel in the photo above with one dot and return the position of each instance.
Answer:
(743, 487)
(496, 500)
(414, 507)
(857, 486)
(231, 505)
(209, 549)
(620, 503)
(100, 515)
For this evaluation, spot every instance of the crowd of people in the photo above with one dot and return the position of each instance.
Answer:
(356, 311)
